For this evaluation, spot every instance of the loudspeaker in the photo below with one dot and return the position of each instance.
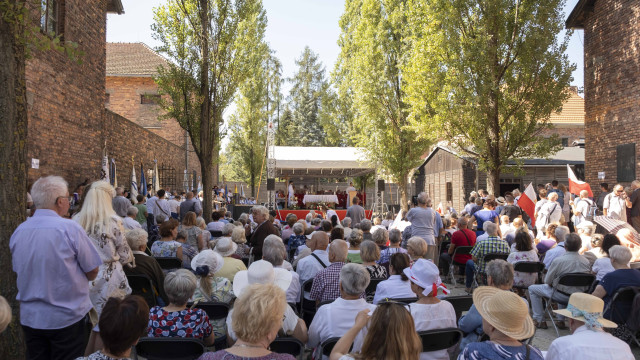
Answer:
(380, 185)
(271, 184)
(238, 210)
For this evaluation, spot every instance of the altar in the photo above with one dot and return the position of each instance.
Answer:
(327, 199)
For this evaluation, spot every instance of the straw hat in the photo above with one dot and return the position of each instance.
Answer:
(582, 303)
(261, 272)
(208, 258)
(500, 200)
(505, 311)
(425, 274)
(225, 246)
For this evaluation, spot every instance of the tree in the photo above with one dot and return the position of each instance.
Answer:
(285, 131)
(211, 47)
(497, 70)
(310, 88)
(257, 103)
(369, 74)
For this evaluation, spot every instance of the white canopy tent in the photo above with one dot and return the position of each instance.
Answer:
(320, 161)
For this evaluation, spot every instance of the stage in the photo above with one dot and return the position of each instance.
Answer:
(301, 214)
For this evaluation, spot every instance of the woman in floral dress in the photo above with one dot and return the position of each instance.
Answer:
(167, 246)
(524, 252)
(106, 231)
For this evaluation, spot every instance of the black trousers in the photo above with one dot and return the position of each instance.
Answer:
(59, 344)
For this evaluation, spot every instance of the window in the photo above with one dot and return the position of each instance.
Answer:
(565, 142)
(50, 17)
(626, 162)
(450, 191)
(149, 99)
(107, 98)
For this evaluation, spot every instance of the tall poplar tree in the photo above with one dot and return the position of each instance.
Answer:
(211, 46)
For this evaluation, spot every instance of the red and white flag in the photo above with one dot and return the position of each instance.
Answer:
(527, 202)
(575, 185)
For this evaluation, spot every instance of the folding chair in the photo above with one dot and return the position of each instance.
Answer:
(169, 263)
(635, 265)
(141, 285)
(440, 339)
(327, 346)
(166, 348)
(405, 301)
(307, 307)
(570, 279)
(486, 259)
(370, 291)
(215, 234)
(459, 250)
(460, 303)
(215, 310)
(529, 267)
(288, 345)
(612, 311)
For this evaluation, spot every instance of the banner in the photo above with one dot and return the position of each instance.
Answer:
(114, 173)
(104, 172)
(527, 202)
(575, 185)
(156, 179)
(134, 184)
(143, 181)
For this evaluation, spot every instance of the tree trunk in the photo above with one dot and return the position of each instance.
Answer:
(402, 188)
(493, 181)
(13, 171)
(206, 163)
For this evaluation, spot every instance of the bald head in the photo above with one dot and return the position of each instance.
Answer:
(517, 222)
(319, 241)
(338, 251)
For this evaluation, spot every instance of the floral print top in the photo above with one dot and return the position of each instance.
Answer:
(221, 291)
(523, 279)
(187, 323)
(165, 248)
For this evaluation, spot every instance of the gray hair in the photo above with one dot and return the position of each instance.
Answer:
(298, 228)
(160, 218)
(501, 272)
(339, 250)
(365, 225)
(273, 237)
(200, 221)
(273, 250)
(586, 227)
(354, 279)
(355, 238)
(5, 314)
(132, 210)
(395, 236)
(259, 209)
(227, 229)
(561, 233)
(369, 251)
(238, 235)
(46, 191)
(553, 196)
(490, 227)
(380, 236)
(136, 238)
(417, 245)
(244, 217)
(308, 218)
(620, 255)
(180, 286)
(119, 190)
(423, 198)
(316, 222)
(346, 222)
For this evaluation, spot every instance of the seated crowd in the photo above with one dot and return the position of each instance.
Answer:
(369, 284)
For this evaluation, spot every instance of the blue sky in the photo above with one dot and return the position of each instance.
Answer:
(293, 24)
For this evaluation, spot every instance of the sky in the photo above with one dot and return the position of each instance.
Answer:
(292, 25)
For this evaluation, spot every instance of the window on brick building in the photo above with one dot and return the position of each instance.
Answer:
(51, 13)
(149, 99)
(450, 191)
(107, 98)
(565, 141)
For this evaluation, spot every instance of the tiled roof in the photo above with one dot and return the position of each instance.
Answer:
(572, 111)
(132, 59)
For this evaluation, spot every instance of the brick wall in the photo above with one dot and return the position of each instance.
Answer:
(571, 132)
(612, 85)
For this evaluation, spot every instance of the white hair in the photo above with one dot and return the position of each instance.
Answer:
(553, 196)
(273, 250)
(490, 227)
(346, 222)
(423, 198)
(180, 286)
(354, 279)
(136, 238)
(132, 210)
(298, 228)
(620, 254)
(227, 229)
(46, 191)
(561, 233)
(259, 209)
(97, 213)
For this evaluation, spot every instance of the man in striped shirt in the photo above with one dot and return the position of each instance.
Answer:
(490, 245)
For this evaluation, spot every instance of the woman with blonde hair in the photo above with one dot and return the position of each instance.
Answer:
(355, 239)
(391, 322)
(106, 231)
(416, 248)
(194, 234)
(238, 236)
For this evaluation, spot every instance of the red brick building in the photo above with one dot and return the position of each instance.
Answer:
(612, 87)
(68, 124)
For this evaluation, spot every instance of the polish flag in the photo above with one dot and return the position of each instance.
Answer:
(575, 185)
(527, 202)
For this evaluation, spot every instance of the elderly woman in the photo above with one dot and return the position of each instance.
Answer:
(355, 239)
(416, 248)
(106, 232)
(239, 238)
(256, 320)
(145, 264)
(524, 252)
(194, 233)
(603, 265)
(167, 246)
(202, 225)
(389, 321)
(423, 222)
(130, 221)
(287, 230)
(175, 320)
(395, 237)
(429, 312)
(297, 239)
(398, 285)
(381, 238)
(346, 224)
(370, 253)
(506, 320)
(499, 275)
(226, 248)
(275, 252)
(211, 288)
(122, 323)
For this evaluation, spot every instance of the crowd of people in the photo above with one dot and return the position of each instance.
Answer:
(372, 283)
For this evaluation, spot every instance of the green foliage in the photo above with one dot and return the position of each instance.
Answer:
(370, 80)
(489, 73)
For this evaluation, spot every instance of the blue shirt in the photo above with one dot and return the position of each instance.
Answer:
(493, 351)
(51, 255)
(483, 216)
(613, 282)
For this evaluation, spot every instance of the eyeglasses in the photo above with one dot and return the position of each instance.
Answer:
(69, 198)
(619, 191)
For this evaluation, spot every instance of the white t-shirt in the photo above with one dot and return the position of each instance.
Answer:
(616, 207)
(174, 205)
(431, 317)
(602, 267)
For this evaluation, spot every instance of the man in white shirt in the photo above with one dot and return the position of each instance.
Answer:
(310, 265)
(161, 205)
(151, 208)
(336, 318)
(587, 340)
(615, 204)
(174, 206)
(581, 208)
(549, 213)
(350, 188)
(130, 221)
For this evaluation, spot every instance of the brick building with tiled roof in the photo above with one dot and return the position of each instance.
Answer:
(568, 124)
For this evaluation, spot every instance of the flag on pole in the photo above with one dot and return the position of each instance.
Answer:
(134, 183)
(575, 185)
(143, 181)
(199, 187)
(242, 190)
(104, 173)
(114, 174)
(527, 202)
(156, 180)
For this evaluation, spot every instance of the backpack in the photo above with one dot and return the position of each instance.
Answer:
(591, 212)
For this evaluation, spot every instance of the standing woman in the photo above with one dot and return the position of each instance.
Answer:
(487, 214)
(106, 232)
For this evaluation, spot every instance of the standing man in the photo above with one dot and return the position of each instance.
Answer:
(604, 191)
(581, 210)
(615, 204)
(350, 187)
(54, 261)
(265, 228)
(291, 195)
(635, 204)
(355, 212)
(191, 204)
(162, 205)
(174, 206)
(120, 203)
